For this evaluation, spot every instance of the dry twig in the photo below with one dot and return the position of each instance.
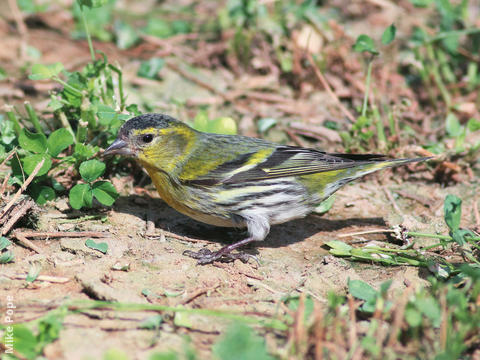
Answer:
(46, 278)
(393, 202)
(27, 243)
(22, 188)
(329, 90)
(54, 234)
(19, 210)
(199, 292)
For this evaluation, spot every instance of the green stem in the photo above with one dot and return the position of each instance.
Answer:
(367, 84)
(70, 87)
(391, 123)
(32, 115)
(434, 236)
(425, 75)
(443, 237)
(381, 138)
(446, 34)
(13, 118)
(437, 77)
(65, 123)
(120, 85)
(432, 246)
(89, 38)
(387, 250)
(95, 304)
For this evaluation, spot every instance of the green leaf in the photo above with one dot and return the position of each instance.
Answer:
(33, 142)
(421, 3)
(33, 53)
(55, 104)
(452, 125)
(33, 273)
(325, 205)
(365, 43)
(293, 302)
(150, 68)
(7, 132)
(58, 141)
(25, 341)
(361, 290)
(105, 192)
(133, 110)
(81, 195)
(31, 161)
(265, 124)
(158, 27)
(241, 343)
(42, 194)
(115, 354)
(389, 34)
(4, 243)
(84, 152)
(49, 330)
(126, 35)
(56, 185)
(223, 125)
(413, 317)
(164, 356)
(6, 257)
(3, 74)
(102, 247)
(459, 235)
(182, 319)
(92, 3)
(473, 125)
(339, 246)
(106, 114)
(41, 72)
(453, 211)
(430, 308)
(91, 170)
(385, 286)
(152, 322)
(200, 122)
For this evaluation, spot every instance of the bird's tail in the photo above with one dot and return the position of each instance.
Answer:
(365, 164)
(364, 167)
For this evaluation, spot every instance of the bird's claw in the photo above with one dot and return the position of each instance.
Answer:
(205, 256)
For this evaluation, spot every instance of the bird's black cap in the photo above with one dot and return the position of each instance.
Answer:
(145, 121)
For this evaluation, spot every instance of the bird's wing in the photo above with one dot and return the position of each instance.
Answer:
(282, 161)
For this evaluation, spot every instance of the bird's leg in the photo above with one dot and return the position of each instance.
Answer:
(205, 256)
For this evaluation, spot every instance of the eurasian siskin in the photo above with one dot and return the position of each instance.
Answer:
(237, 181)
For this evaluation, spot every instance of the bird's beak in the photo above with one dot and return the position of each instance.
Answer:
(118, 147)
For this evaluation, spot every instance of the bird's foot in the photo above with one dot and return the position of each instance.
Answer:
(205, 256)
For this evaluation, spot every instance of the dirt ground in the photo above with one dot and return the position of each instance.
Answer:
(146, 238)
(293, 260)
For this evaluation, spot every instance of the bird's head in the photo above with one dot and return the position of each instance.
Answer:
(156, 140)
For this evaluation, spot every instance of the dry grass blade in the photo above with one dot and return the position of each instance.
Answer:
(27, 243)
(9, 156)
(22, 188)
(53, 234)
(19, 211)
(46, 278)
(329, 90)
(319, 332)
(399, 316)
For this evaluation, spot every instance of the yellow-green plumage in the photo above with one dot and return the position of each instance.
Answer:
(230, 180)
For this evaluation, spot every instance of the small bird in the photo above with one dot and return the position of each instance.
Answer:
(237, 181)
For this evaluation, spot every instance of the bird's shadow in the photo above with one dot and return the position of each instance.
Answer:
(164, 217)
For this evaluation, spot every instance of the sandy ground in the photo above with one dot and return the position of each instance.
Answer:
(292, 260)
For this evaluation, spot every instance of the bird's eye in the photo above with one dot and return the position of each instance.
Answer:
(147, 138)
